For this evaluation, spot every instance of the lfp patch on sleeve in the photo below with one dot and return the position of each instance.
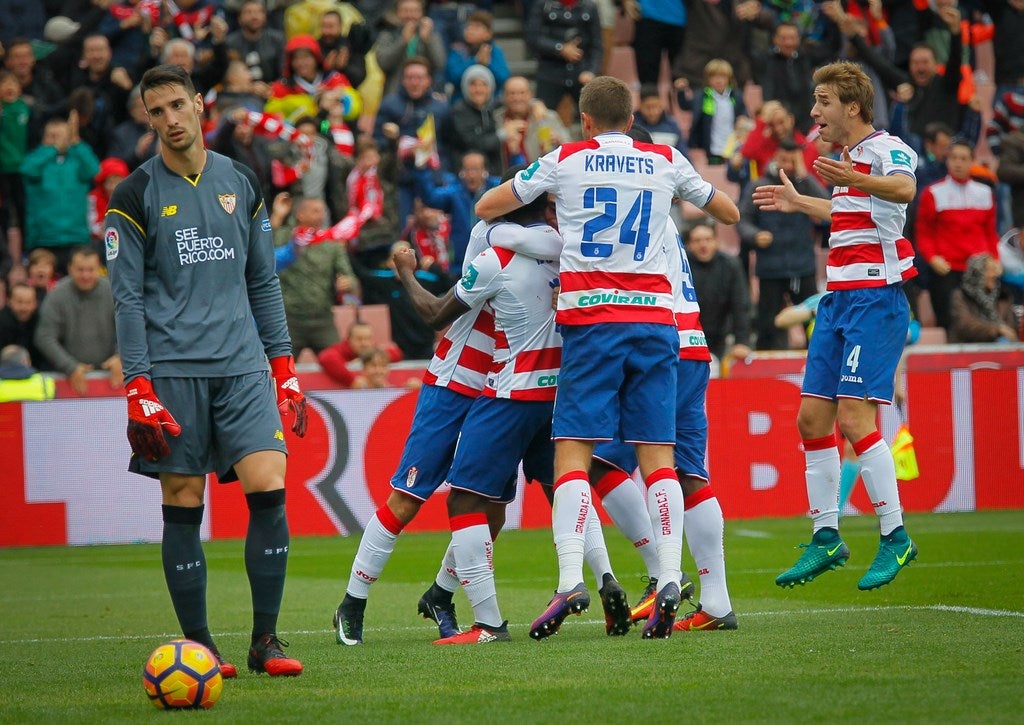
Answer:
(469, 278)
(111, 242)
(900, 158)
(265, 226)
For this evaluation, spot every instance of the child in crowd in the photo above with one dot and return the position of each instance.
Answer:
(112, 172)
(716, 109)
(654, 116)
(42, 271)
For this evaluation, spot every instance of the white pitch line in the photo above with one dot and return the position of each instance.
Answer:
(976, 611)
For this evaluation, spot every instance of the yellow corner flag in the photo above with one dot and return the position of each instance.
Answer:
(904, 456)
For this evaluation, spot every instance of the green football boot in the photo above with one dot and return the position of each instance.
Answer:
(895, 551)
(826, 551)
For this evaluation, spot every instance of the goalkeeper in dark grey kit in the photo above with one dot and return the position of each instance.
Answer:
(199, 312)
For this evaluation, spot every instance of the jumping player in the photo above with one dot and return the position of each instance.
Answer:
(861, 327)
(191, 264)
(618, 328)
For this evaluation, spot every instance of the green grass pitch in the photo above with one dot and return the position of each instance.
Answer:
(943, 643)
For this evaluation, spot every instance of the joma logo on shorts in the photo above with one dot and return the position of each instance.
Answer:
(851, 379)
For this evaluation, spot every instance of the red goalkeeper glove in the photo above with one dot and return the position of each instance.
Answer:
(147, 419)
(290, 399)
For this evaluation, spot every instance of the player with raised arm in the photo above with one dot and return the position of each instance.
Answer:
(455, 376)
(861, 327)
(618, 329)
(191, 264)
(515, 407)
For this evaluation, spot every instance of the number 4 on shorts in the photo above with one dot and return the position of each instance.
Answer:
(853, 360)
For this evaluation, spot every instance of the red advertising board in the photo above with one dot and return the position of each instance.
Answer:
(63, 476)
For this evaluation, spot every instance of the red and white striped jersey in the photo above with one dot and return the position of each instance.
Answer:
(527, 349)
(692, 343)
(867, 247)
(613, 198)
(463, 357)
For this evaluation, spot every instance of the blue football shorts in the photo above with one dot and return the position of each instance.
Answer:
(858, 338)
(614, 381)
(429, 448)
(497, 434)
(691, 426)
(222, 421)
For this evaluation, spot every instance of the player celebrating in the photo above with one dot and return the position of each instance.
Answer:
(618, 329)
(861, 327)
(192, 267)
(705, 525)
(455, 377)
(515, 407)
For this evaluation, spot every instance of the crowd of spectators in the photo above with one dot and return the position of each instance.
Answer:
(371, 123)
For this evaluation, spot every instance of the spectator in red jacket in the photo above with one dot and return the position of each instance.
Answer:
(359, 341)
(956, 219)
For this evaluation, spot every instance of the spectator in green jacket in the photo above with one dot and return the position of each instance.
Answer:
(58, 176)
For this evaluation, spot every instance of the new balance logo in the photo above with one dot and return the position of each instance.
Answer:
(150, 407)
(291, 383)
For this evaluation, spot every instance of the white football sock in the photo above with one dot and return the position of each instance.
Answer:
(628, 511)
(473, 552)
(665, 507)
(822, 474)
(595, 551)
(705, 529)
(568, 523)
(446, 577)
(375, 547)
(878, 470)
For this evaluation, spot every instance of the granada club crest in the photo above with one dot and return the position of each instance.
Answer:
(227, 201)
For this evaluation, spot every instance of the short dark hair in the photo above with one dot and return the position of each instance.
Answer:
(688, 231)
(83, 250)
(417, 60)
(789, 144)
(961, 141)
(530, 213)
(166, 74)
(647, 90)
(934, 129)
(639, 133)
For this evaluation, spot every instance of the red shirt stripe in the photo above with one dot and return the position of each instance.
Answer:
(632, 281)
(548, 358)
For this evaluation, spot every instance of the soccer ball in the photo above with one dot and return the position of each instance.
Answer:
(182, 674)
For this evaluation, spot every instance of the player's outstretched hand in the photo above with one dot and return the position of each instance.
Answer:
(147, 421)
(777, 197)
(290, 400)
(836, 172)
